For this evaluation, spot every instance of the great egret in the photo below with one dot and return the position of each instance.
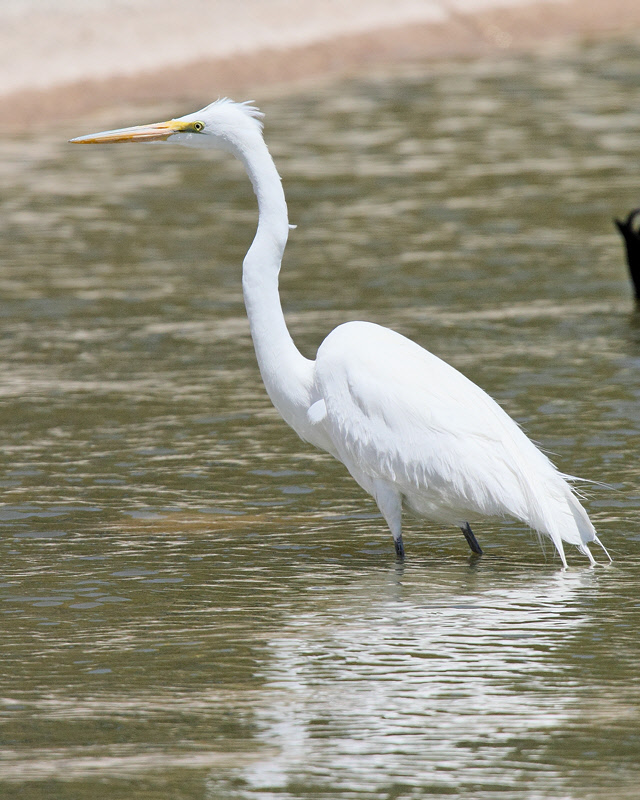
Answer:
(411, 430)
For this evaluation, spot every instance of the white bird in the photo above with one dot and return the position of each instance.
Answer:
(412, 430)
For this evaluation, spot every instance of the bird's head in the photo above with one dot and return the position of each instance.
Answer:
(223, 124)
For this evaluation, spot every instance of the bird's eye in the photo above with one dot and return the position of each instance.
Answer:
(198, 127)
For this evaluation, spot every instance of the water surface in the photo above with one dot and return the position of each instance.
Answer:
(196, 604)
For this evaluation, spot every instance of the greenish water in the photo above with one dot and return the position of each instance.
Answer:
(194, 603)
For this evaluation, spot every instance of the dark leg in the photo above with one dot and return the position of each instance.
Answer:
(390, 504)
(471, 539)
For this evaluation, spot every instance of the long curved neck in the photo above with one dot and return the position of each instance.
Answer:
(287, 375)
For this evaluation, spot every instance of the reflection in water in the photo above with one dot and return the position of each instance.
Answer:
(429, 690)
(196, 604)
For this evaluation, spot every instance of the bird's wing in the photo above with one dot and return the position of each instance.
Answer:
(399, 413)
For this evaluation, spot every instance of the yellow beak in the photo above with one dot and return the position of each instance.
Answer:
(156, 132)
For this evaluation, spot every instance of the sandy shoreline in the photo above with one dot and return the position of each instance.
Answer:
(490, 32)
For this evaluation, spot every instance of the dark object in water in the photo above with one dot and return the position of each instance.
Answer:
(632, 240)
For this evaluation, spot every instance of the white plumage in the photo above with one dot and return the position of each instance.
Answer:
(411, 429)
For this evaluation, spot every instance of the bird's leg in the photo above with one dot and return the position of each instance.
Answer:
(471, 539)
(390, 504)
